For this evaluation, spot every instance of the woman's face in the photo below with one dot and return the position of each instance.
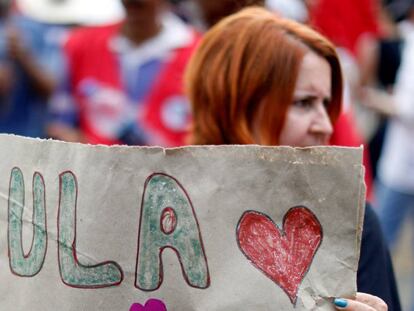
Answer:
(307, 122)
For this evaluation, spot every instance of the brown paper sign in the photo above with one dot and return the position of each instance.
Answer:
(195, 228)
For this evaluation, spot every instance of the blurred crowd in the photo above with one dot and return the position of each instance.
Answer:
(110, 72)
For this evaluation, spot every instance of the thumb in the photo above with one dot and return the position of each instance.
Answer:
(362, 302)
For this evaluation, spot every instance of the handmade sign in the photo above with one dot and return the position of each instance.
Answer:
(196, 228)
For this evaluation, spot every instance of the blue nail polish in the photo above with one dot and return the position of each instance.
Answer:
(340, 302)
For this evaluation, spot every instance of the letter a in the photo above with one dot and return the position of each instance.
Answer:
(72, 272)
(20, 263)
(168, 220)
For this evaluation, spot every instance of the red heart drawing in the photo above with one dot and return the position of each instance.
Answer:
(150, 305)
(284, 255)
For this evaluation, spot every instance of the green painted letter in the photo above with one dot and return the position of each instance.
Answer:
(168, 220)
(72, 272)
(20, 263)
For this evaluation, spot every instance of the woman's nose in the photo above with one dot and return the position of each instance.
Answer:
(322, 123)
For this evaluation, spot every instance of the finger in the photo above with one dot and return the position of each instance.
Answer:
(352, 305)
(373, 301)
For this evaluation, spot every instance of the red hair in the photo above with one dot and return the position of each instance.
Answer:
(247, 65)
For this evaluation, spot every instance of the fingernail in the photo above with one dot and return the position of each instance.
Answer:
(340, 302)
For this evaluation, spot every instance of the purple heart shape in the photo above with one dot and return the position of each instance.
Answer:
(150, 305)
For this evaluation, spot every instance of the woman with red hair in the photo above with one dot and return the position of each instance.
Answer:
(259, 79)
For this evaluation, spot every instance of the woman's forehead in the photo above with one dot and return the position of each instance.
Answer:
(314, 75)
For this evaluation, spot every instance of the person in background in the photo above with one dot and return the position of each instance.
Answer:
(395, 178)
(26, 80)
(203, 14)
(388, 60)
(356, 45)
(123, 81)
(260, 79)
(214, 11)
(55, 20)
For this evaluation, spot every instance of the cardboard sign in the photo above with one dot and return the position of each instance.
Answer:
(196, 228)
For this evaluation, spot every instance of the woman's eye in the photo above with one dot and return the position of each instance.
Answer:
(326, 103)
(305, 103)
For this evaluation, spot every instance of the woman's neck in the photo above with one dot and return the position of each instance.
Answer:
(137, 34)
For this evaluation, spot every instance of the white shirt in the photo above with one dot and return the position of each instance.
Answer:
(174, 34)
(396, 167)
